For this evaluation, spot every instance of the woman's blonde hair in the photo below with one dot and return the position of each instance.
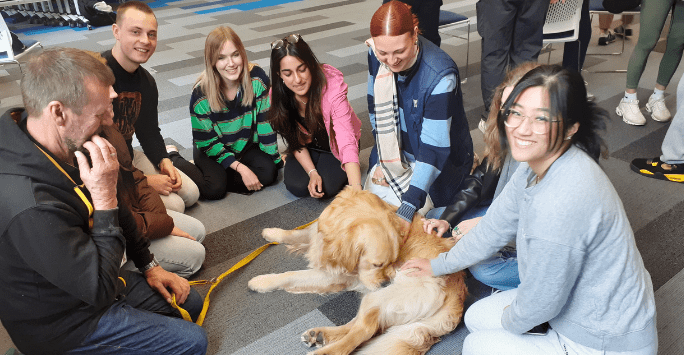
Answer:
(210, 81)
(493, 152)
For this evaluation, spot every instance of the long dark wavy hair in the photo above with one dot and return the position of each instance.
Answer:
(567, 102)
(283, 100)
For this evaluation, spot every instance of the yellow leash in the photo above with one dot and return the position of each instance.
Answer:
(216, 281)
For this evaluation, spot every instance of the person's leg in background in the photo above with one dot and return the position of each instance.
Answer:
(496, 20)
(528, 33)
(623, 29)
(652, 18)
(605, 35)
(427, 12)
(176, 201)
(670, 165)
(574, 53)
(668, 65)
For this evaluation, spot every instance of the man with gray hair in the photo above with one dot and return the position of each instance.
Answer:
(63, 230)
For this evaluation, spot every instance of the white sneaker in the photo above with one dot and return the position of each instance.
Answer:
(658, 110)
(630, 112)
(482, 126)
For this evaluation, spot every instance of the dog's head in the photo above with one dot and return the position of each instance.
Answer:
(362, 235)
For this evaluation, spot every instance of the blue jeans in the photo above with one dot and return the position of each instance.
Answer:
(499, 271)
(142, 323)
(673, 144)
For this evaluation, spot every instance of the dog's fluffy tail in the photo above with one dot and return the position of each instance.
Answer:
(407, 339)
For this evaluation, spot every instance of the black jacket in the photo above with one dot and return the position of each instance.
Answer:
(57, 275)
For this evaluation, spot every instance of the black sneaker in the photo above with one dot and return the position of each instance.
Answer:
(622, 31)
(604, 40)
(658, 170)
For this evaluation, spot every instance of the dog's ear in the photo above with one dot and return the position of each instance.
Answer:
(341, 251)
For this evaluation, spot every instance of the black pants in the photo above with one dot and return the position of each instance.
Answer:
(328, 167)
(214, 181)
(512, 34)
(570, 55)
(427, 12)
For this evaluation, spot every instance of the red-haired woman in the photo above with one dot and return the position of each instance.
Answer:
(423, 147)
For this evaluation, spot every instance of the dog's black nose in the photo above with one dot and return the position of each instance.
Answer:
(385, 283)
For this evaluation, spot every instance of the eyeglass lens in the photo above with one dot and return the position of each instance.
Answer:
(539, 125)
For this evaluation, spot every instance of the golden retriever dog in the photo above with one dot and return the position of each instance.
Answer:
(356, 244)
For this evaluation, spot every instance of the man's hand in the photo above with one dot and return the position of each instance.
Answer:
(162, 280)
(160, 183)
(437, 225)
(315, 185)
(100, 179)
(422, 267)
(166, 167)
(249, 178)
(181, 233)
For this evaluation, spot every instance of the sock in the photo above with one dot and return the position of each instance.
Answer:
(629, 96)
(658, 94)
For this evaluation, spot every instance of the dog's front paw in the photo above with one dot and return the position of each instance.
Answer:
(313, 337)
(262, 283)
(273, 234)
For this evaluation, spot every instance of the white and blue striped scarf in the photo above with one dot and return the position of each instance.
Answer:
(397, 171)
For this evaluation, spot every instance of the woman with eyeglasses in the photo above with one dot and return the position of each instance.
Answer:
(423, 148)
(234, 147)
(310, 110)
(581, 274)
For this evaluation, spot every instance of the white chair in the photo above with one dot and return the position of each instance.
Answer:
(562, 24)
(450, 20)
(7, 54)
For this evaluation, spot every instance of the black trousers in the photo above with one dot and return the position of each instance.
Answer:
(427, 12)
(328, 167)
(512, 34)
(214, 181)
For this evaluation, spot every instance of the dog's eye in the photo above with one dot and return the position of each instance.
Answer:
(378, 265)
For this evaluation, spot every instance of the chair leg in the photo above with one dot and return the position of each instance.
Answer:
(465, 80)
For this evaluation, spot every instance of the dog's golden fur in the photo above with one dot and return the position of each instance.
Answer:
(356, 245)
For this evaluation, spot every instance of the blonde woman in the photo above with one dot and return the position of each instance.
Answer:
(234, 147)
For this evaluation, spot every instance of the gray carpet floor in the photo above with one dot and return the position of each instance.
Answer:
(243, 322)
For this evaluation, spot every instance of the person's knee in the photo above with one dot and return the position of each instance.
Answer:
(297, 189)
(195, 341)
(173, 202)
(189, 192)
(214, 191)
(269, 175)
(472, 345)
(193, 304)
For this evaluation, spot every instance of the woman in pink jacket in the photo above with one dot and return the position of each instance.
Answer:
(310, 110)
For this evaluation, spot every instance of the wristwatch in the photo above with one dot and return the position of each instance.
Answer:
(152, 264)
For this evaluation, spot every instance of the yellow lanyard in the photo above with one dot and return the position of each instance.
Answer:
(77, 188)
(214, 282)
